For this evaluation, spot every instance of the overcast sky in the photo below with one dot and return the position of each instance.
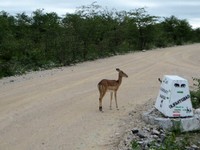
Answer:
(182, 9)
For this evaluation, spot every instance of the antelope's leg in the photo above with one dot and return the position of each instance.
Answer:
(111, 96)
(102, 93)
(116, 100)
(100, 104)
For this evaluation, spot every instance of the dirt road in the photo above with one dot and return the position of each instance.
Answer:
(58, 109)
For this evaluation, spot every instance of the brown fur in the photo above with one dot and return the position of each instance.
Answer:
(111, 85)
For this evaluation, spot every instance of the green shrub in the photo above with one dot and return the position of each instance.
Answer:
(135, 145)
(195, 94)
(171, 142)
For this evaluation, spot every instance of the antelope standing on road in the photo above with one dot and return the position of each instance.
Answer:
(112, 86)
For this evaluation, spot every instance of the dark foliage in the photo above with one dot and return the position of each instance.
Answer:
(45, 40)
(195, 94)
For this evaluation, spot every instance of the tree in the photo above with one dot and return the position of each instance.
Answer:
(7, 43)
(176, 31)
(144, 23)
(196, 35)
(45, 40)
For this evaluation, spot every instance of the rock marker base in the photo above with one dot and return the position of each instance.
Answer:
(185, 124)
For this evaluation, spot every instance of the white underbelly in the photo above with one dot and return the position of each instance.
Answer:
(111, 89)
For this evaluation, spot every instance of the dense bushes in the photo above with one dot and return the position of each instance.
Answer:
(195, 94)
(45, 40)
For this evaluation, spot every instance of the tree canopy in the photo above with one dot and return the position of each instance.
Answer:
(45, 40)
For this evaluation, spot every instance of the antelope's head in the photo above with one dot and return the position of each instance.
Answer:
(121, 73)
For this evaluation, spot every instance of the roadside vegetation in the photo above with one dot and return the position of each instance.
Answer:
(195, 94)
(46, 40)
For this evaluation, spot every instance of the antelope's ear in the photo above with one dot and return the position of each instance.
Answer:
(118, 69)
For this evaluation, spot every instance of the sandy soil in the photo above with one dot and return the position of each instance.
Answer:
(58, 109)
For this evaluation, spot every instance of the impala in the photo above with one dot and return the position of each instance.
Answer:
(112, 86)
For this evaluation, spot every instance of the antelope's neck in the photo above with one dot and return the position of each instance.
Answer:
(119, 79)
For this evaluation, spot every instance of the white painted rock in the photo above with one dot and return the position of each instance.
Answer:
(197, 111)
